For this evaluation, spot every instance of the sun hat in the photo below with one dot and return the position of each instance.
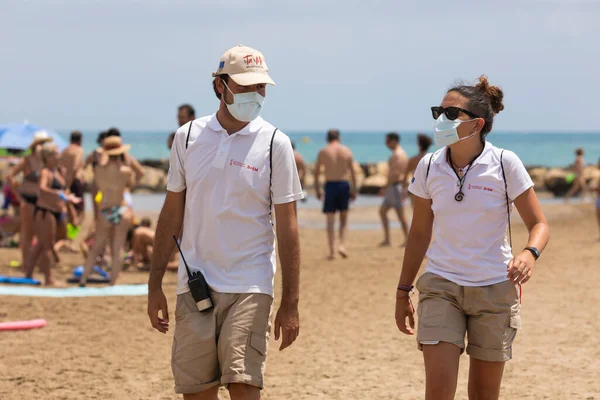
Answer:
(113, 146)
(40, 137)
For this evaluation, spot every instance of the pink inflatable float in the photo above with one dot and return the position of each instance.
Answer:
(21, 325)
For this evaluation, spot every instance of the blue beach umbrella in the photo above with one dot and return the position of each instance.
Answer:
(20, 136)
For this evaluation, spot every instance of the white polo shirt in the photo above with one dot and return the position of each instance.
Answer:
(227, 233)
(470, 245)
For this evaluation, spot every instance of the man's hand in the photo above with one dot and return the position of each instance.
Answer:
(319, 195)
(520, 268)
(288, 321)
(353, 195)
(158, 302)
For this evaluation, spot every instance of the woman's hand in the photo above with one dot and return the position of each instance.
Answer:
(520, 268)
(404, 310)
(74, 199)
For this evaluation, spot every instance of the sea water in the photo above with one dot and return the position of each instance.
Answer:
(539, 148)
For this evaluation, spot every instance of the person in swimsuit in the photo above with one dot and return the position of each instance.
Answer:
(92, 160)
(579, 183)
(27, 191)
(337, 161)
(136, 167)
(49, 213)
(424, 142)
(392, 192)
(113, 177)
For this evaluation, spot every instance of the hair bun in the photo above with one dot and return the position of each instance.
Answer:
(493, 92)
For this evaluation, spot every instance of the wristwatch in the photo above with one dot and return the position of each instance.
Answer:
(534, 251)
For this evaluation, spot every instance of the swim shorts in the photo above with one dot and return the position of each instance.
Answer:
(337, 196)
(393, 196)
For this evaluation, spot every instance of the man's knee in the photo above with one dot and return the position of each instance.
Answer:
(240, 391)
(209, 394)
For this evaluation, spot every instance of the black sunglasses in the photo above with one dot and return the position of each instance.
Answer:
(451, 112)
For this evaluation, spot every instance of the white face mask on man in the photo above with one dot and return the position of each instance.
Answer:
(245, 106)
(445, 131)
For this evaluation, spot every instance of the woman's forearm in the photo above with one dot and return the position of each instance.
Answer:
(416, 247)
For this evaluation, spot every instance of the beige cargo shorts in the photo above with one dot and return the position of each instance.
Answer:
(227, 344)
(488, 315)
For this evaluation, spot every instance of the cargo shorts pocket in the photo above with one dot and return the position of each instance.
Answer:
(256, 355)
(514, 324)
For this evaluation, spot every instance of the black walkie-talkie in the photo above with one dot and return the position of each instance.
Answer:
(198, 286)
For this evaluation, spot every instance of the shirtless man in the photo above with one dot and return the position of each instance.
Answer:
(301, 166)
(392, 191)
(113, 177)
(424, 142)
(579, 181)
(92, 160)
(71, 160)
(336, 159)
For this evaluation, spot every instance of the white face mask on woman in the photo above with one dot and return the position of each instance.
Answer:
(245, 106)
(445, 131)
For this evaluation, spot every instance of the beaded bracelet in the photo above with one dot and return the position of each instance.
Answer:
(406, 288)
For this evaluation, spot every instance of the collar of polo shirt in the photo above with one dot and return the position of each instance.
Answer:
(486, 157)
(252, 127)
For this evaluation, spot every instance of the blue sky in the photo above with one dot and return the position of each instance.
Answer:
(356, 65)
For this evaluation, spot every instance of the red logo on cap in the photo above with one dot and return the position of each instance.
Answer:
(252, 61)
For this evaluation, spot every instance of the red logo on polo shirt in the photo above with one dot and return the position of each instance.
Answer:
(476, 187)
(234, 163)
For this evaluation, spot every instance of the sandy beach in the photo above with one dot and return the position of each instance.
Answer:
(349, 346)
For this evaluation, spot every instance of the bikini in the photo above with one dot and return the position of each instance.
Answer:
(58, 216)
(113, 214)
(33, 177)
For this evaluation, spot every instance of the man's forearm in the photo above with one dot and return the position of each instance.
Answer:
(289, 255)
(169, 225)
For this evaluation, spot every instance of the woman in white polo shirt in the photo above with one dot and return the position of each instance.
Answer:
(464, 193)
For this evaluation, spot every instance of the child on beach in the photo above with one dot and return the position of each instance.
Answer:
(141, 240)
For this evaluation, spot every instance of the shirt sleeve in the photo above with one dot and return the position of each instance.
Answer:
(176, 174)
(418, 183)
(285, 184)
(517, 177)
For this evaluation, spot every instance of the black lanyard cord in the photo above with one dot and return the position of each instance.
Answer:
(461, 180)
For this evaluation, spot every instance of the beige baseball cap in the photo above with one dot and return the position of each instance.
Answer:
(245, 65)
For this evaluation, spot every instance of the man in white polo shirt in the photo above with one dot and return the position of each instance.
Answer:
(226, 171)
